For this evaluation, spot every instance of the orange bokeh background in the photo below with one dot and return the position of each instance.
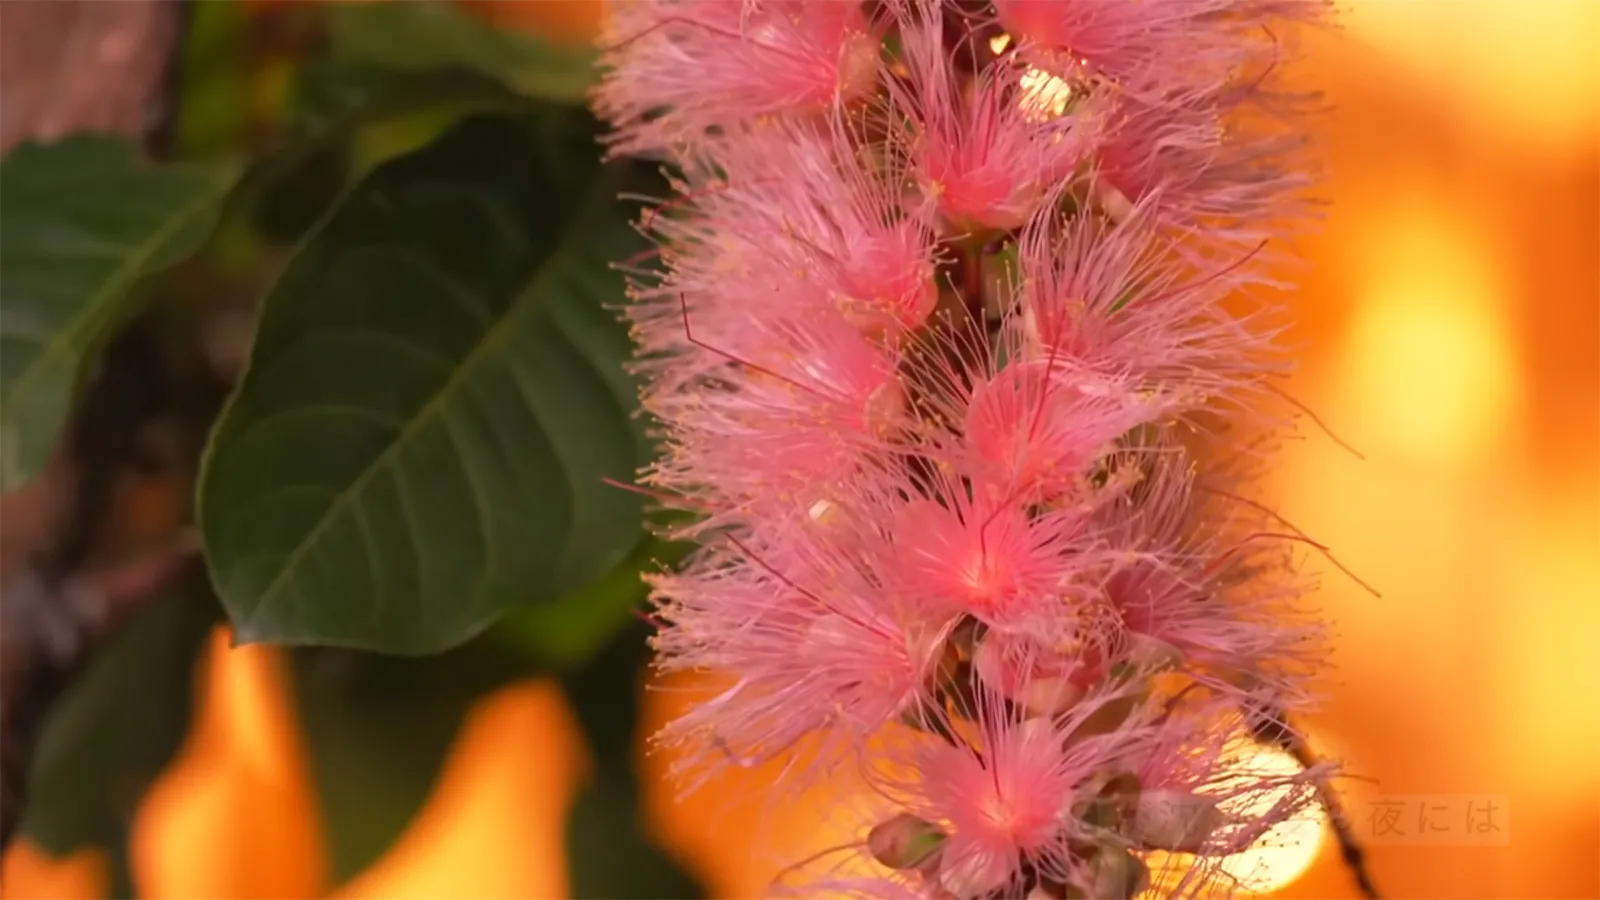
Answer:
(1451, 320)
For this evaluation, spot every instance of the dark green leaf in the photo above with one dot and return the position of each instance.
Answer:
(84, 220)
(345, 119)
(304, 193)
(216, 104)
(435, 398)
(609, 855)
(569, 631)
(378, 729)
(115, 729)
(432, 35)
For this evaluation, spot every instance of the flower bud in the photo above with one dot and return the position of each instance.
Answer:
(1114, 804)
(1110, 714)
(1119, 875)
(904, 842)
(1152, 654)
(1041, 689)
(1175, 820)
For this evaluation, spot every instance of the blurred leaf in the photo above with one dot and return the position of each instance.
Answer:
(84, 220)
(115, 729)
(288, 206)
(424, 34)
(609, 855)
(569, 631)
(337, 95)
(378, 729)
(214, 107)
(346, 119)
(435, 397)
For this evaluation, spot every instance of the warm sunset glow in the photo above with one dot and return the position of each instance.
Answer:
(490, 808)
(1438, 372)
(1285, 852)
(31, 874)
(239, 784)
(1448, 313)
(1429, 350)
(1525, 68)
(1279, 858)
(773, 833)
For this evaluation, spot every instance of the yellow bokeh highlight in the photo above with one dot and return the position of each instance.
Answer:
(1276, 860)
(1044, 96)
(736, 832)
(1524, 69)
(239, 785)
(29, 873)
(1289, 848)
(493, 829)
(1428, 352)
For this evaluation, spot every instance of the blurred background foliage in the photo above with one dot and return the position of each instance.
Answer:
(1451, 320)
(246, 279)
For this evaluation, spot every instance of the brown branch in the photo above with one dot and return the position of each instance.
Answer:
(1269, 725)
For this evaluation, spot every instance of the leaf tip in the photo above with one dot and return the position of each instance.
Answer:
(241, 635)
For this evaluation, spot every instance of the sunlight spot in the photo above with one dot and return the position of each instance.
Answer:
(1525, 69)
(1429, 350)
(1275, 861)
(1285, 852)
(1044, 96)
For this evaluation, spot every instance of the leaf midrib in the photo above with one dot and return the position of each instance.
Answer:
(125, 274)
(432, 406)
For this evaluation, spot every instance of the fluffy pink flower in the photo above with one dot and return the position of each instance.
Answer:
(988, 155)
(1014, 809)
(1114, 299)
(1035, 428)
(1223, 187)
(813, 648)
(677, 69)
(987, 560)
(1149, 47)
(792, 204)
(949, 372)
(806, 406)
(1209, 584)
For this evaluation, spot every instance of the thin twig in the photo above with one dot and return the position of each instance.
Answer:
(1269, 725)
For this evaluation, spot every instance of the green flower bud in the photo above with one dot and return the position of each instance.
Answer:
(904, 842)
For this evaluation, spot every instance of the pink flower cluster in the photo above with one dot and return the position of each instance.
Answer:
(950, 361)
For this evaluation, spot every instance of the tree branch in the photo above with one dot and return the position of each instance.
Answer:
(1270, 725)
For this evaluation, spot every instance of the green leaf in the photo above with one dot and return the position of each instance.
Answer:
(84, 220)
(215, 108)
(115, 729)
(569, 631)
(431, 35)
(379, 729)
(435, 399)
(610, 856)
(345, 119)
